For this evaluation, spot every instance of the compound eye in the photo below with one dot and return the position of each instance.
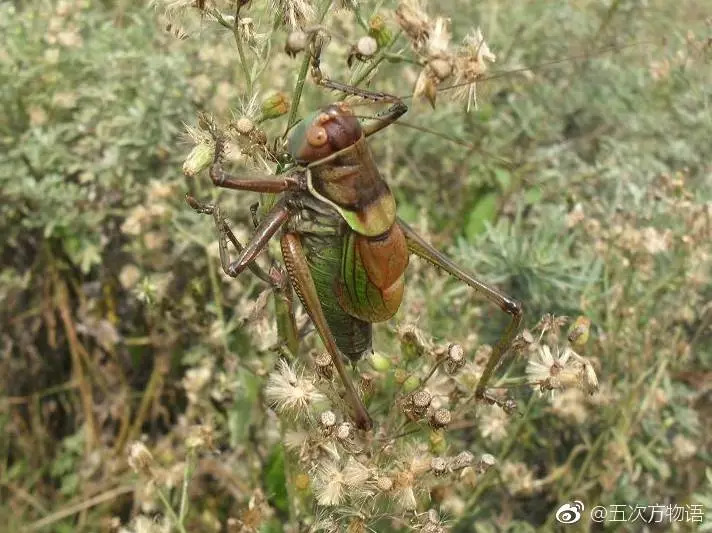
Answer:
(317, 136)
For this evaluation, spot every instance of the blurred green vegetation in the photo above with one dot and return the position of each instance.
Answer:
(585, 187)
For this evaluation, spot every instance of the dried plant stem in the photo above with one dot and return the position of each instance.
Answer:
(79, 507)
(290, 481)
(154, 384)
(75, 349)
(513, 437)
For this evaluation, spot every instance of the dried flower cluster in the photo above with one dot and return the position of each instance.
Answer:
(431, 41)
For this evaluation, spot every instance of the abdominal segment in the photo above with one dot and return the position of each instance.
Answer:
(353, 336)
(372, 274)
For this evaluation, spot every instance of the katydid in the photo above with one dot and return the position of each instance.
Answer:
(344, 248)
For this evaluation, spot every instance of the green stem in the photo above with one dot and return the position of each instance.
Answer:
(241, 51)
(169, 510)
(301, 78)
(187, 473)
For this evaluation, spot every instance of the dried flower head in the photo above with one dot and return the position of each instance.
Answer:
(470, 66)
(414, 21)
(332, 485)
(296, 14)
(567, 369)
(288, 391)
(455, 358)
(493, 423)
(140, 459)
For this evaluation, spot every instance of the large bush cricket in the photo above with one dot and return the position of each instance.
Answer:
(344, 248)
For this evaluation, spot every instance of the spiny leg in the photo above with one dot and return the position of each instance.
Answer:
(270, 224)
(301, 277)
(224, 234)
(421, 248)
(276, 277)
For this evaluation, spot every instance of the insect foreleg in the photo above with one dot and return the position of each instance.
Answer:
(225, 234)
(270, 224)
(300, 275)
(421, 248)
(268, 185)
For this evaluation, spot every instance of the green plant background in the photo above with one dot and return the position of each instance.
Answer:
(104, 263)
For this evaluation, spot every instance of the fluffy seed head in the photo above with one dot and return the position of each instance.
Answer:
(288, 392)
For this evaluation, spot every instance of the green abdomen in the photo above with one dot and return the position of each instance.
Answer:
(324, 255)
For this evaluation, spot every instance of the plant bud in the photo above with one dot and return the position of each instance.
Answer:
(419, 403)
(438, 466)
(455, 358)
(327, 419)
(461, 460)
(244, 125)
(411, 383)
(275, 106)
(440, 418)
(590, 380)
(199, 158)
(140, 459)
(579, 332)
(400, 376)
(296, 42)
(344, 431)
(323, 365)
(384, 483)
(379, 31)
(437, 443)
(366, 46)
(486, 462)
(379, 362)
(301, 481)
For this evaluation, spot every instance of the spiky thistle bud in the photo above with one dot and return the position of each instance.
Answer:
(199, 158)
(244, 125)
(420, 401)
(461, 460)
(384, 483)
(275, 106)
(324, 366)
(327, 419)
(345, 431)
(379, 31)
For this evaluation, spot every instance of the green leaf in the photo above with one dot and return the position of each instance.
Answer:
(276, 480)
(482, 213)
(503, 178)
(533, 195)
